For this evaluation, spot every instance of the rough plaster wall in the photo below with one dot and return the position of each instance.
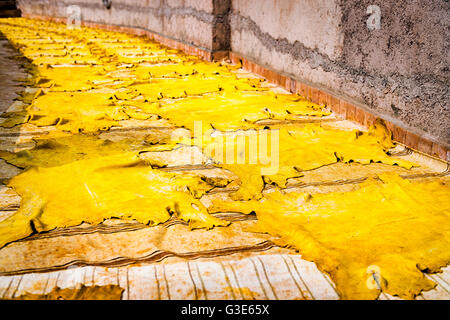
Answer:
(197, 22)
(298, 21)
(399, 72)
(407, 60)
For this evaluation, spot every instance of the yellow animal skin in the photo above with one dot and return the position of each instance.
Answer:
(92, 190)
(394, 227)
(89, 80)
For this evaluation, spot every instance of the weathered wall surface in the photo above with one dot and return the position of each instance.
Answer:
(196, 22)
(399, 72)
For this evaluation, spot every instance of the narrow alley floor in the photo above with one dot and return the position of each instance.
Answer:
(122, 169)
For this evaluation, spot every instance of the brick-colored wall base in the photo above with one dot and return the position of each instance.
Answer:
(338, 105)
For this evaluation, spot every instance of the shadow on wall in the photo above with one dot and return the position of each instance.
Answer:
(9, 9)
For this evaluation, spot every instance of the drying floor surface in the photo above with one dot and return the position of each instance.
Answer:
(103, 184)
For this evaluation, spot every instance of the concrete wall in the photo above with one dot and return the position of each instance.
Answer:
(197, 22)
(399, 72)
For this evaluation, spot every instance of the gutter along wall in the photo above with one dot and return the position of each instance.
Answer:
(322, 49)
